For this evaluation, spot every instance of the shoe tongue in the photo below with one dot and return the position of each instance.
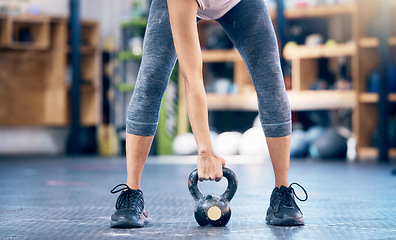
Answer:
(132, 192)
(283, 188)
(286, 195)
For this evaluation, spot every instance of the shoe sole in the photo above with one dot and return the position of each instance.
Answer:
(125, 223)
(286, 221)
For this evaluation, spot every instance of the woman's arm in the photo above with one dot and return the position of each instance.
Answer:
(182, 14)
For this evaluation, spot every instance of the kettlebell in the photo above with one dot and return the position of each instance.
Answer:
(213, 209)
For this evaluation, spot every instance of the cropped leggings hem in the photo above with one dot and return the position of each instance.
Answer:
(141, 128)
(277, 129)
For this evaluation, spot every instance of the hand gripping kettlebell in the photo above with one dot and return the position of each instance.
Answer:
(213, 209)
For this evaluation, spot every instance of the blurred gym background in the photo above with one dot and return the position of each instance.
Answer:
(68, 69)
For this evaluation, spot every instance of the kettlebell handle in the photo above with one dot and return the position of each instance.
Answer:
(229, 192)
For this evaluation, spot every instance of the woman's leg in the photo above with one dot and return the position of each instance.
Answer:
(137, 150)
(250, 28)
(158, 60)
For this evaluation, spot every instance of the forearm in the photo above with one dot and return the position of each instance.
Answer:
(198, 114)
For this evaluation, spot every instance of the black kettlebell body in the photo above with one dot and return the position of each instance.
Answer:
(213, 209)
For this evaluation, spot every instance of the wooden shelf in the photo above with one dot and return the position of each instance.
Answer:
(246, 102)
(366, 153)
(318, 11)
(374, 97)
(230, 55)
(373, 42)
(37, 28)
(368, 97)
(88, 49)
(90, 33)
(5, 31)
(85, 49)
(321, 100)
(36, 79)
(84, 88)
(90, 108)
(312, 52)
(38, 19)
(59, 19)
(38, 31)
(27, 46)
(299, 100)
(392, 97)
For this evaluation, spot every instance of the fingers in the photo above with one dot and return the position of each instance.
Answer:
(223, 162)
(219, 175)
(211, 177)
(202, 176)
(210, 167)
(206, 178)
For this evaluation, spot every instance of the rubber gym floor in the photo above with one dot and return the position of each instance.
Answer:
(69, 198)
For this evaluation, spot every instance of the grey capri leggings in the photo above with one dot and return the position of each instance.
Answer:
(249, 27)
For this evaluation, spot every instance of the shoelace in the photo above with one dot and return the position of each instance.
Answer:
(128, 198)
(287, 197)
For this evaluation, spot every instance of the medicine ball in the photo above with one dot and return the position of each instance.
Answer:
(331, 145)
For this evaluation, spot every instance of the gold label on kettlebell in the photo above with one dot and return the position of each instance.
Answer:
(214, 213)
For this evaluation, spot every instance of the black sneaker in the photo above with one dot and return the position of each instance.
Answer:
(130, 211)
(283, 210)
